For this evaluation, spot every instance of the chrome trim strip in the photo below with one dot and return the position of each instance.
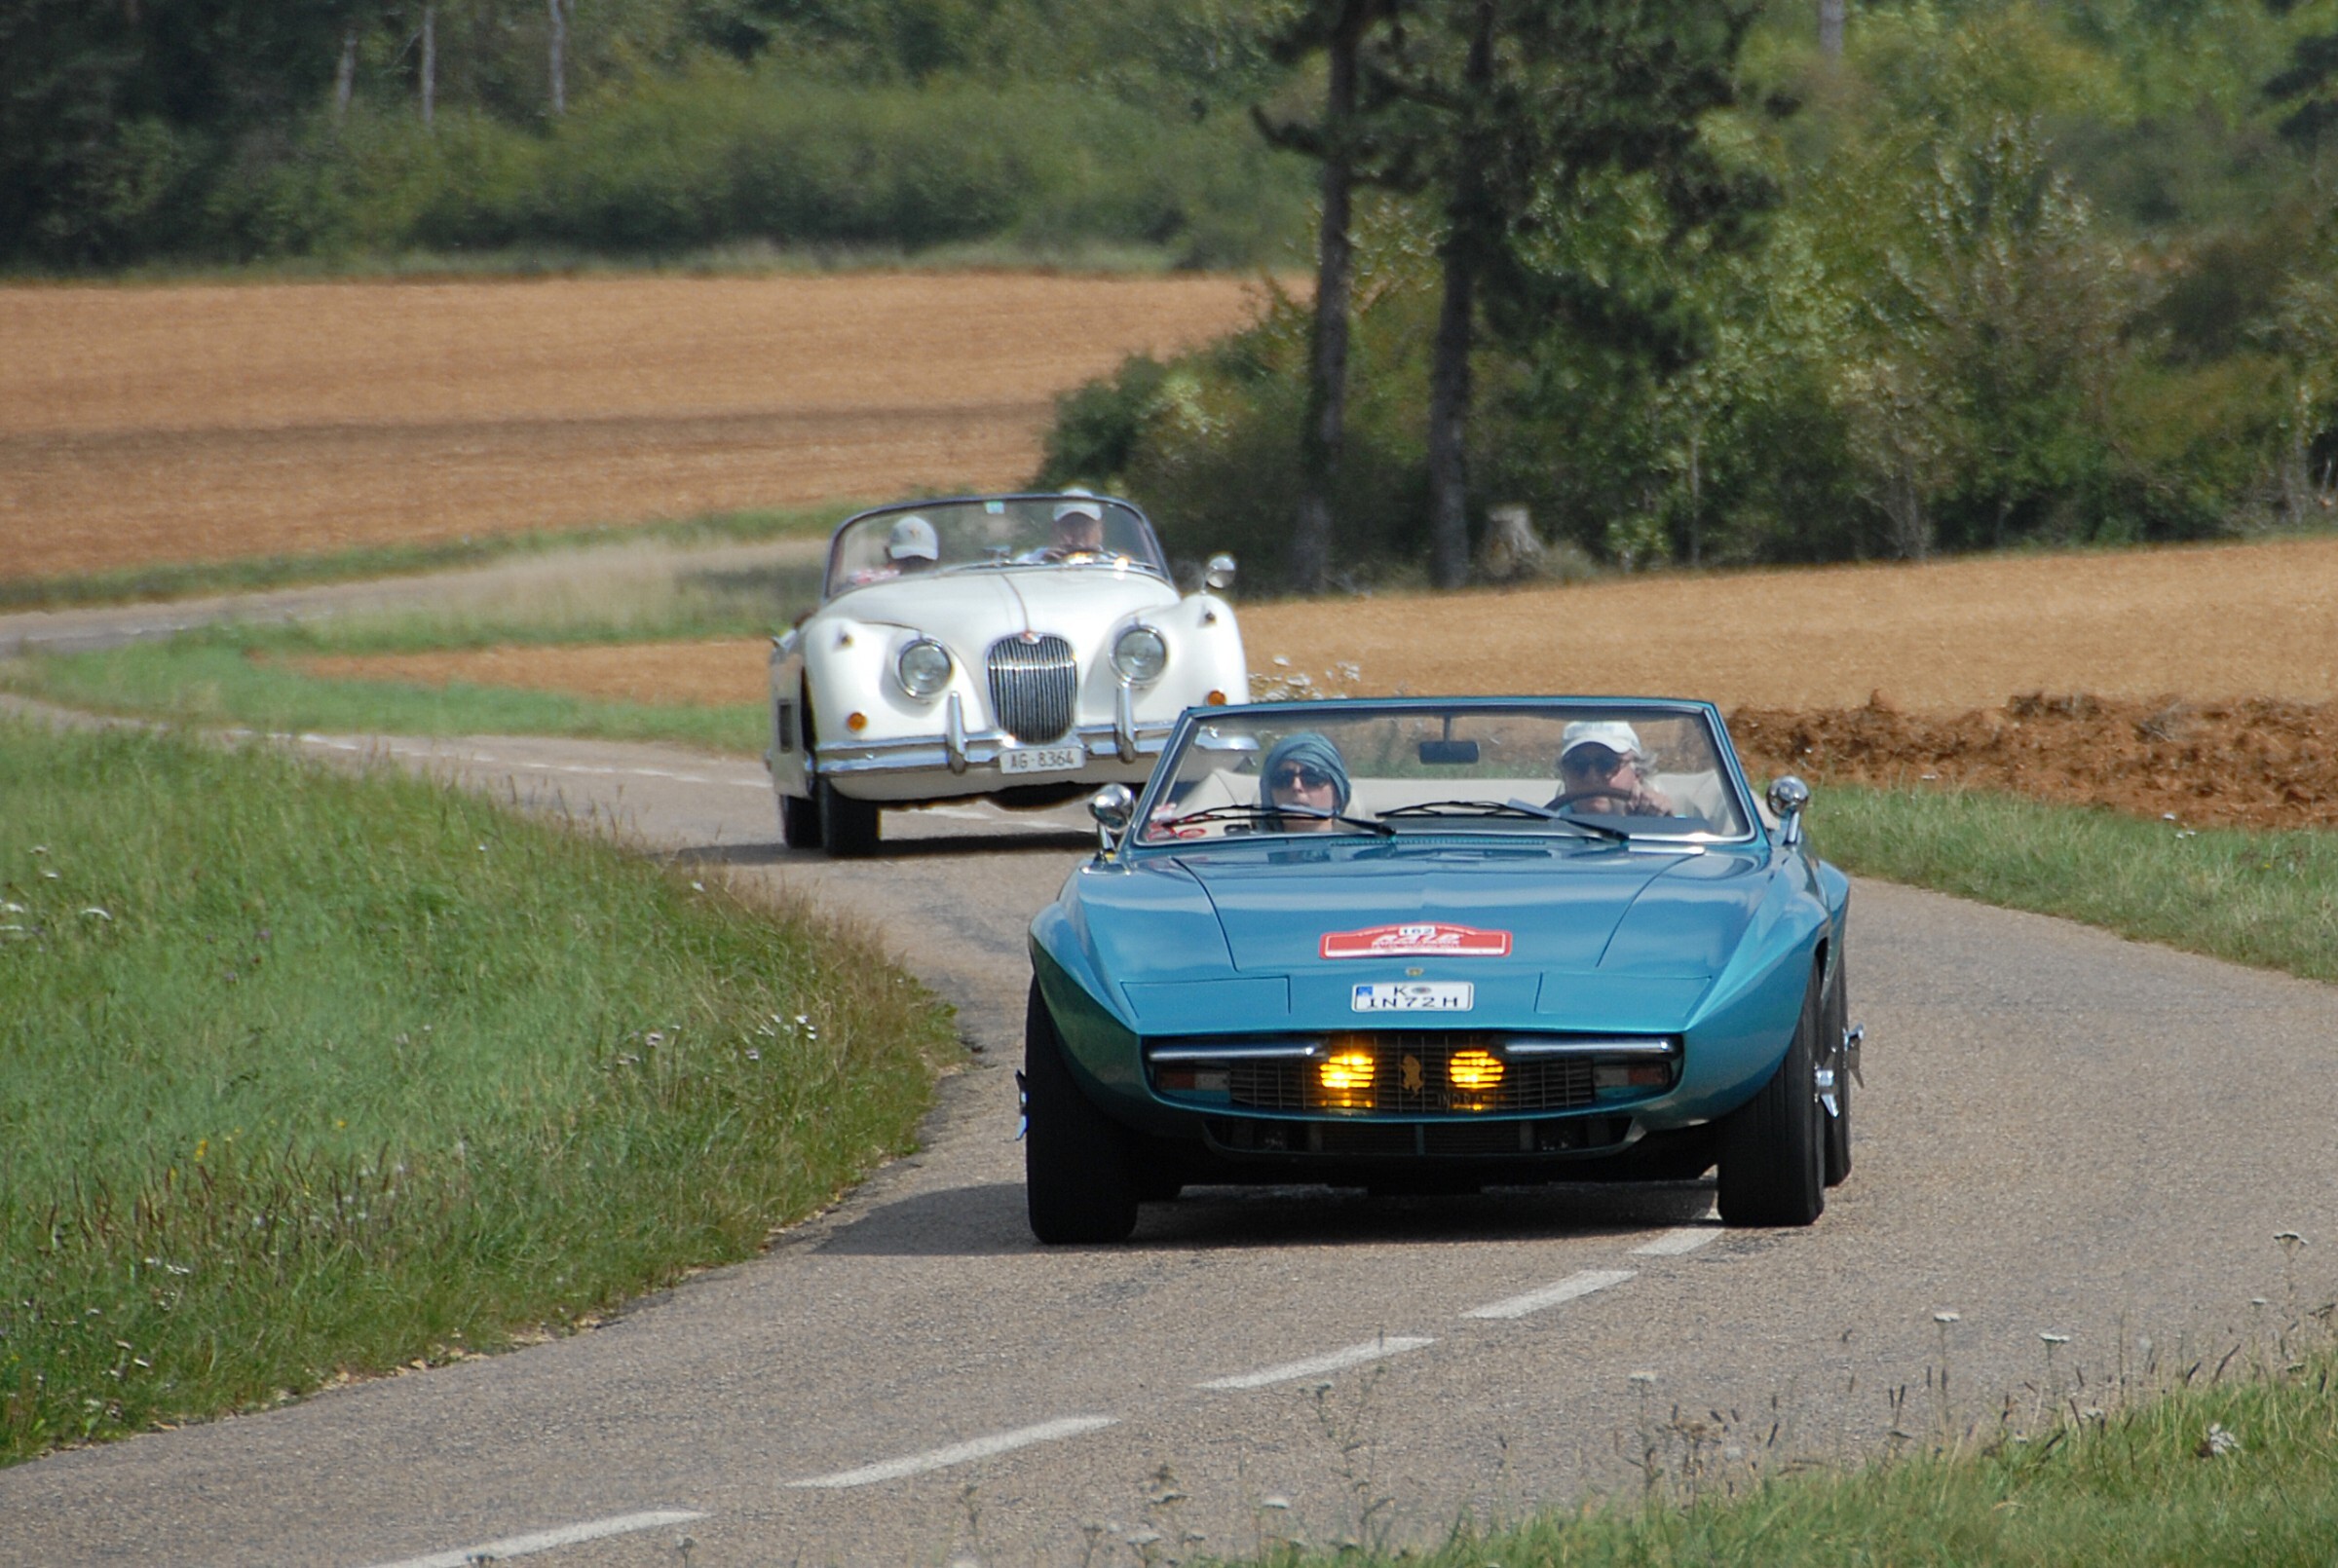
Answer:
(1294, 1051)
(1590, 1046)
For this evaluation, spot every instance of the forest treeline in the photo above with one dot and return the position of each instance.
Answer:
(137, 131)
(1897, 276)
(2034, 272)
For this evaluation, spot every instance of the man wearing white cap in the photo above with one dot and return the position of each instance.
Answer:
(1600, 763)
(1078, 529)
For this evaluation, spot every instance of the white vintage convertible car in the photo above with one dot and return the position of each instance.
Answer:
(1024, 648)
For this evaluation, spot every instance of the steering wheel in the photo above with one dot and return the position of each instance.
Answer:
(1573, 795)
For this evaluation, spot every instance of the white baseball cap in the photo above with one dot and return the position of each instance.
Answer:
(1083, 507)
(1616, 735)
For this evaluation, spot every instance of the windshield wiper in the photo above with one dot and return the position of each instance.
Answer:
(1257, 813)
(1464, 808)
(1593, 830)
(1503, 808)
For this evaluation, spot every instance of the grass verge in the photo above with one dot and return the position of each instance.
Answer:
(305, 1075)
(2263, 898)
(180, 579)
(226, 676)
(2242, 1474)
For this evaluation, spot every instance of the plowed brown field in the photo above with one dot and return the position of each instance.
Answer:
(2211, 673)
(143, 425)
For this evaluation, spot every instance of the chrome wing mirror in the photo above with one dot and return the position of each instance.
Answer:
(1788, 798)
(1113, 807)
(1219, 575)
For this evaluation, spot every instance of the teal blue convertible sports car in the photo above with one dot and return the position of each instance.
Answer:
(1437, 943)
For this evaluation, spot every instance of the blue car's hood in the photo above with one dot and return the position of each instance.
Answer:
(1566, 908)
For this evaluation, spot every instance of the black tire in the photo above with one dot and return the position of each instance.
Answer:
(1077, 1176)
(799, 822)
(1773, 1149)
(848, 827)
(1838, 1126)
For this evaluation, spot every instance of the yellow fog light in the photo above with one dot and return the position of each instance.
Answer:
(1475, 1076)
(1475, 1070)
(1344, 1079)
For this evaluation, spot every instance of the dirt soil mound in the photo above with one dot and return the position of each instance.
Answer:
(2261, 763)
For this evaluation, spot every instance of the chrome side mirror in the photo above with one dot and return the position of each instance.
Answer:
(1788, 797)
(1219, 575)
(1113, 807)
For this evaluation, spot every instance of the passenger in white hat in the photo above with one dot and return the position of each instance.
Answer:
(913, 546)
(1600, 767)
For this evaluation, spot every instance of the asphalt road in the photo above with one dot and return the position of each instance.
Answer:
(2062, 1135)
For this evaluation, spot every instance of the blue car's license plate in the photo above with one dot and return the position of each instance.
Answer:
(1416, 997)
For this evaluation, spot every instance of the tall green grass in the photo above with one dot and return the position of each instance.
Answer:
(304, 1074)
(2254, 897)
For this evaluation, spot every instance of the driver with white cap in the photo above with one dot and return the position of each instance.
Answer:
(1600, 764)
(1078, 529)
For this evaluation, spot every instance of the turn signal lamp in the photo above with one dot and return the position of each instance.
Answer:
(1216, 699)
(1345, 1078)
(856, 723)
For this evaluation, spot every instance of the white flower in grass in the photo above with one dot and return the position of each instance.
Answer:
(13, 908)
(2219, 1443)
(94, 913)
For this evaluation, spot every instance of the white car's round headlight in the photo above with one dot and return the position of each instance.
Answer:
(923, 667)
(1139, 655)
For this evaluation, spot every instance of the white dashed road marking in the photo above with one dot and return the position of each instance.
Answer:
(1673, 1243)
(960, 1453)
(567, 1535)
(1550, 1295)
(1317, 1365)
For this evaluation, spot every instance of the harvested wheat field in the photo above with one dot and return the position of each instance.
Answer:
(148, 425)
(2208, 674)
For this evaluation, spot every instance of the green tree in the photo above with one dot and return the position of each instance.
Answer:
(1343, 143)
(1515, 109)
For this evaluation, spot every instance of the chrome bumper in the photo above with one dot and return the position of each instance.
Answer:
(957, 752)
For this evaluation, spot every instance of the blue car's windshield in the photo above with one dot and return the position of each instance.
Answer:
(1551, 766)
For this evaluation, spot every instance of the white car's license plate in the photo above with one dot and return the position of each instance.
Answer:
(1416, 997)
(1041, 759)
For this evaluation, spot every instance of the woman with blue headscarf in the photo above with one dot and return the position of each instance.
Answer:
(1303, 773)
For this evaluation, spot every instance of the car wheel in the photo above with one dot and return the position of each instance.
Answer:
(799, 822)
(1838, 1126)
(1773, 1149)
(848, 827)
(1076, 1180)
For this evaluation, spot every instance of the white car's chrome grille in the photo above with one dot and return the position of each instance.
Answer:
(1032, 686)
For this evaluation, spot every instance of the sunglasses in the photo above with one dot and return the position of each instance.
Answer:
(1596, 760)
(1299, 776)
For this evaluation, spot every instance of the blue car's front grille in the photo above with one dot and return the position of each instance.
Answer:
(1034, 684)
(1412, 1075)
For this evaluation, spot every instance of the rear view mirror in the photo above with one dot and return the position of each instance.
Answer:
(1448, 753)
